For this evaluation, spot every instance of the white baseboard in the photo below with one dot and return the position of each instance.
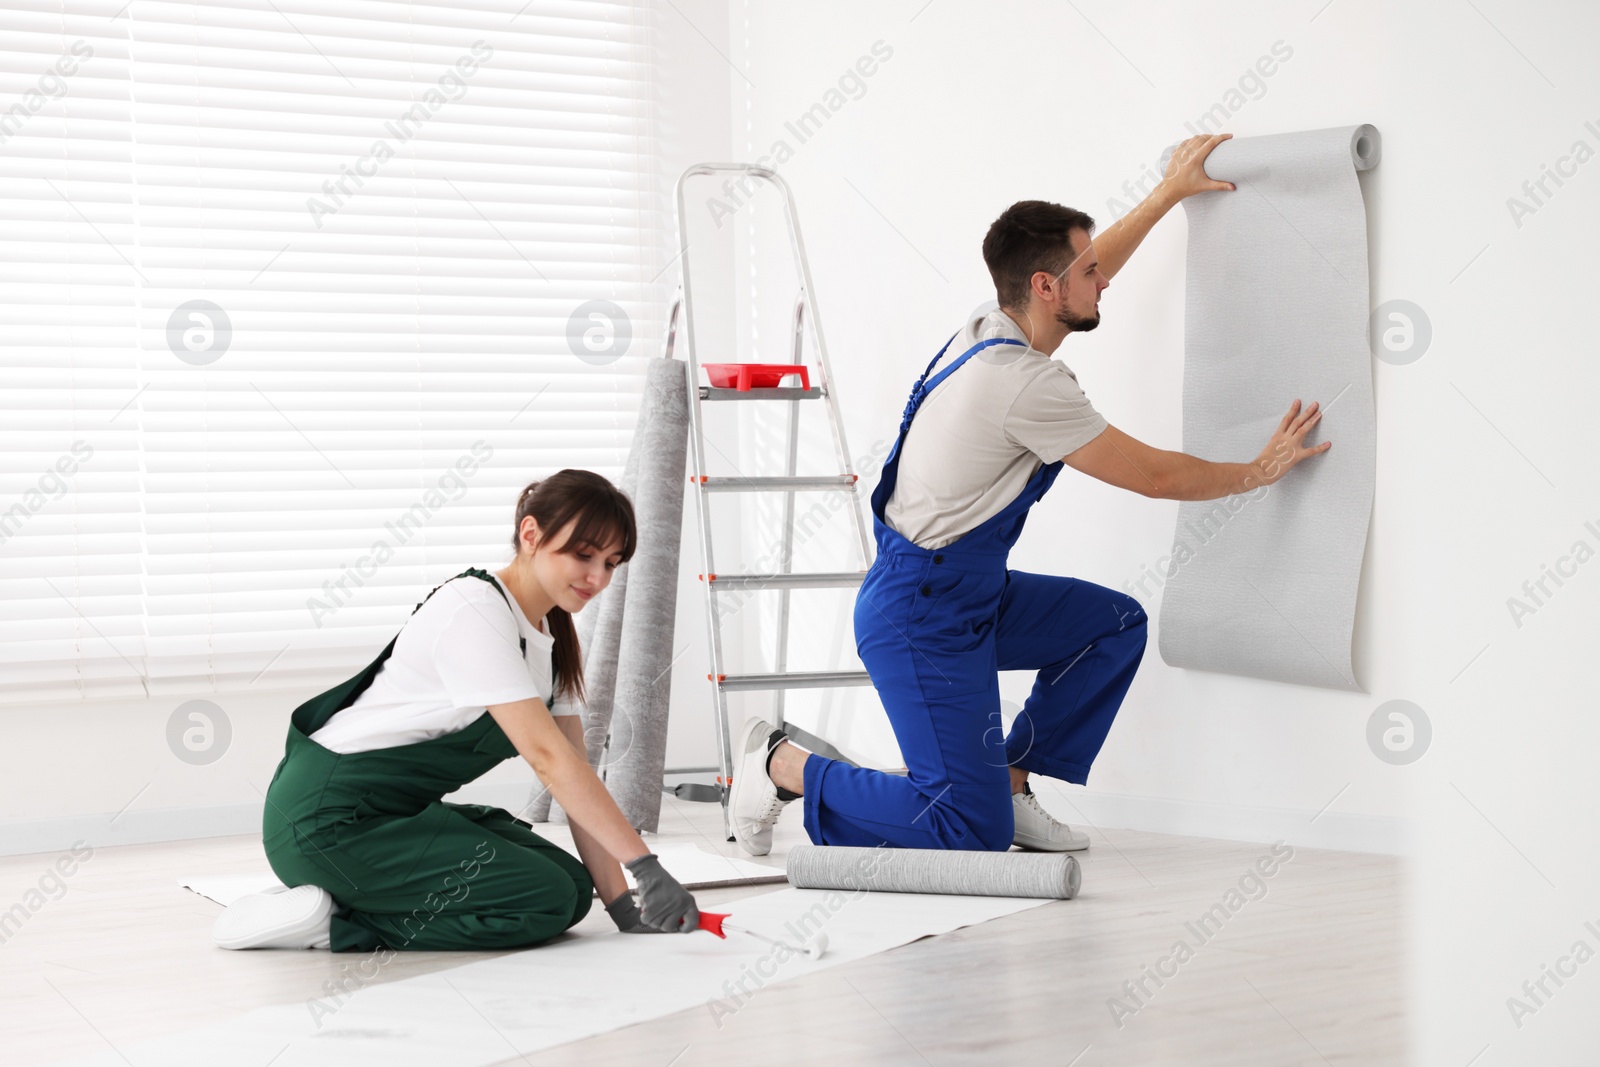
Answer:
(26, 836)
(23, 837)
(1307, 829)
(1344, 831)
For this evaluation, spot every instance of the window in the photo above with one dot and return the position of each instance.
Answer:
(297, 297)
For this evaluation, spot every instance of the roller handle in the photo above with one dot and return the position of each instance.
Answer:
(711, 922)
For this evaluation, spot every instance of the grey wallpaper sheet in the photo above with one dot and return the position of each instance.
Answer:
(1263, 584)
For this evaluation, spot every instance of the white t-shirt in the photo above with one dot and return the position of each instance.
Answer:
(983, 432)
(454, 657)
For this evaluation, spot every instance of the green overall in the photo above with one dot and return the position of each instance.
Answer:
(407, 870)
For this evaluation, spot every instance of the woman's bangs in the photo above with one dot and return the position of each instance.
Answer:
(600, 525)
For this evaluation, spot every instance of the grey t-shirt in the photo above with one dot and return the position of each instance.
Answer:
(983, 432)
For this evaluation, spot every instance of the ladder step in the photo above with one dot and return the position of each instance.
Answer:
(821, 580)
(779, 484)
(785, 392)
(736, 683)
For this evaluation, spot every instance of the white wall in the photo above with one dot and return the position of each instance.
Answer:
(1482, 478)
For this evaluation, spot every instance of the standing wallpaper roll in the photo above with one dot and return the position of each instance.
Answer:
(1263, 583)
(600, 641)
(642, 693)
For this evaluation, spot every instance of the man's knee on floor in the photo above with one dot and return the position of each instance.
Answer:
(996, 830)
(987, 825)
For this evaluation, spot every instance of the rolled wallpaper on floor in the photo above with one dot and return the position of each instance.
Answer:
(1263, 583)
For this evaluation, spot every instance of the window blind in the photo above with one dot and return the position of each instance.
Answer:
(298, 296)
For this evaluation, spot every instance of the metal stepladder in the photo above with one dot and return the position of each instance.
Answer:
(783, 580)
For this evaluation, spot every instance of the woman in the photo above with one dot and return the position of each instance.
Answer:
(354, 819)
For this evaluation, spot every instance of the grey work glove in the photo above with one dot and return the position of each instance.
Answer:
(663, 903)
(625, 913)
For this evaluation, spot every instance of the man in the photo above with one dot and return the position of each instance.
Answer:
(986, 431)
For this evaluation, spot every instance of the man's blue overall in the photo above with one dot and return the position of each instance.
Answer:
(934, 627)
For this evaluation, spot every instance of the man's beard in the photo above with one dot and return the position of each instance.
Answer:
(1075, 323)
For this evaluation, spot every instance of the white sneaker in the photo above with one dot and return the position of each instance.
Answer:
(753, 803)
(277, 918)
(1036, 828)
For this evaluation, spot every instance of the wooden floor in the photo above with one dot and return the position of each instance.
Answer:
(1306, 970)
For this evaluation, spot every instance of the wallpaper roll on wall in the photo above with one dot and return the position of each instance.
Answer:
(1263, 583)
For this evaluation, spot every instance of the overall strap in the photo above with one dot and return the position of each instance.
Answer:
(474, 572)
(968, 354)
(917, 388)
(920, 391)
